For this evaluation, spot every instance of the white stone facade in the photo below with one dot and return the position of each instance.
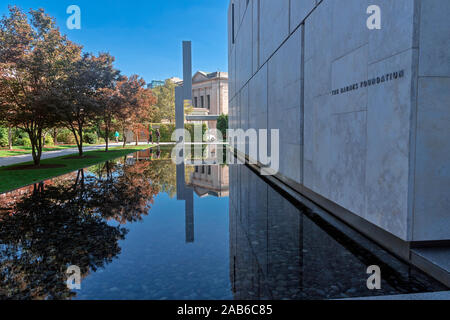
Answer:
(210, 94)
(380, 150)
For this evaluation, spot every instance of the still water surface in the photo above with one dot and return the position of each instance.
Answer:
(141, 227)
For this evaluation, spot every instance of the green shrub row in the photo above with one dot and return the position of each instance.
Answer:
(166, 130)
(64, 136)
(3, 137)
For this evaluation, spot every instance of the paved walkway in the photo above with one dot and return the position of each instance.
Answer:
(7, 161)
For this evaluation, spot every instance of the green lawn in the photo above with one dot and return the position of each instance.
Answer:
(21, 150)
(13, 179)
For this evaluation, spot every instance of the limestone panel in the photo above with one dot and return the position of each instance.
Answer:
(232, 73)
(308, 177)
(299, 10)
(432, 181)
(244, 52)
(349, 26)
(284, 77)
(230, 44)
(244, 107)
(274, 26)
(231, 114)
(397, 32)
(388, 145)
(347, 71)
(258, 100)
(258, 92)
(321, 145)
(348, 160)
(255, 35)
(318, 51)
(434, 38)
(308, 113)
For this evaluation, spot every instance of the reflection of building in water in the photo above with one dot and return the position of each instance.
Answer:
(210, 180)
(279, 250)
(144, 155)
(209, 177)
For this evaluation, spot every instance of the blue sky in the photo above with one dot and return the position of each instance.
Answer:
(145, 36)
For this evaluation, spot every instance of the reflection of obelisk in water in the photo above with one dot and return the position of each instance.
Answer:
(187, 194)
(184, 95)
(189, 212)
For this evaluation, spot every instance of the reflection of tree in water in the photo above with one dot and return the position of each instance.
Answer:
(64, 222)
(163, 176)
(48, 231)
(121, 192)
(156, 166)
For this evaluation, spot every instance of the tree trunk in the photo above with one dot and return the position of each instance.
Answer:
(36, 160)
(55, 136)
(137, 137)
(40, 145)
(10, 138)
(124, 139)
(80, 150)
(106, 138)
(80, 145)
(78, 139)
(35, 149)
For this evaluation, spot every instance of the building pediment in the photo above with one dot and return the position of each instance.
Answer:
(200, 76)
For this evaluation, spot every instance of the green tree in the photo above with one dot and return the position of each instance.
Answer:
(87, 75)
(222, 124)
(165, 104)
(137, 104)
(33, 54)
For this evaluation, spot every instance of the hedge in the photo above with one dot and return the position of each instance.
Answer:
(166, 130)
(3, 137)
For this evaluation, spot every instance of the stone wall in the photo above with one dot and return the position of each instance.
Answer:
(363, 114)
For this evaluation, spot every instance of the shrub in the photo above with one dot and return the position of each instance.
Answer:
(166, 130)
(49, 140)
(3, 137)
(25, 141)
(222, 124)
(17, 136)
(90, 137)
(191, 128)
(65, 136)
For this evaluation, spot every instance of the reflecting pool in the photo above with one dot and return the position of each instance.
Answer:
(141, 227)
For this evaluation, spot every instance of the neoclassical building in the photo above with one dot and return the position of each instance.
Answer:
(210, 94)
